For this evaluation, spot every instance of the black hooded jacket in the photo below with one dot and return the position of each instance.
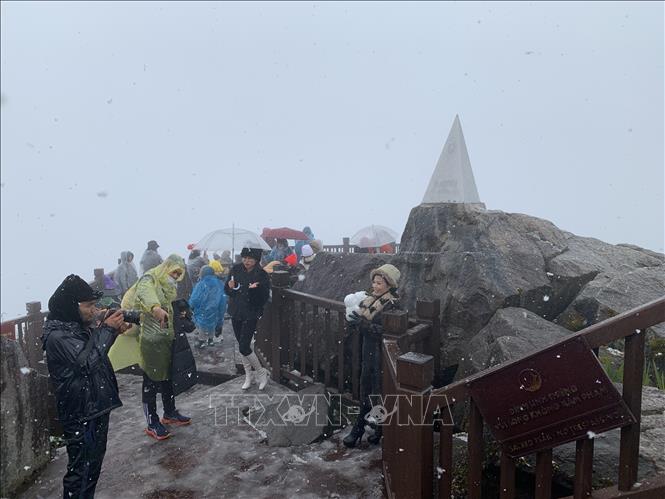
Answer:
(85, 385)
(246, 303)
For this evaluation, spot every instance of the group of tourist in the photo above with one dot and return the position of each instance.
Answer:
(84, 348)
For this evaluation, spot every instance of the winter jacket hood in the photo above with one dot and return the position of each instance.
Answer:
(64, 303)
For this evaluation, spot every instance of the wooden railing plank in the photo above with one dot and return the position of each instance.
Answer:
(303, 333)
(507, 477)
(475, 451)
(340, 353)
(544, 474)
(583, 468)
(632, 395)
(315, 300)
(445, 474)
(314, 335)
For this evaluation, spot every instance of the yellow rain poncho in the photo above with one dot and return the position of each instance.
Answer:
(148, 344)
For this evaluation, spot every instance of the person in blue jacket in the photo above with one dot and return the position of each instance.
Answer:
(208, 304)
(299, 244)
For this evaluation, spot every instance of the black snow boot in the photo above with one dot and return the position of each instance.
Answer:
(354, 436)
(376, 438)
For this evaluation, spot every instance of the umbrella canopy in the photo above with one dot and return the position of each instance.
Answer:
(284, 233)
(230, 239)
(373, 236)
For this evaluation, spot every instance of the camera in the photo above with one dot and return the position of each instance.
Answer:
(131, 316)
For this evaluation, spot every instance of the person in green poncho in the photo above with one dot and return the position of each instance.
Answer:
(152, 295)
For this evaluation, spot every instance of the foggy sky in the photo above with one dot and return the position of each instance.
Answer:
(124, 122)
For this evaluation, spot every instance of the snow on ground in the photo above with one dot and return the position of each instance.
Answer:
(213, 459)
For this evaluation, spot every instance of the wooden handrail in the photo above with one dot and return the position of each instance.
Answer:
(599, 334)
(319, 301)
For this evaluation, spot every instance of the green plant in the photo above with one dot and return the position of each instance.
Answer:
(659, 376)
(613, 369)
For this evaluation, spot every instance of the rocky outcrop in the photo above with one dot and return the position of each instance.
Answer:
(512, 333)
(24, 440)
(478, 262)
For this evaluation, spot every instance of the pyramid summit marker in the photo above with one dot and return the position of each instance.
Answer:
(452, 180)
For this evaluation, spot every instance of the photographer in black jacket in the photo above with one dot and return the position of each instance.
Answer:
(85, 385)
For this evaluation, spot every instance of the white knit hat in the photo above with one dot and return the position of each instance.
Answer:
(307, 250)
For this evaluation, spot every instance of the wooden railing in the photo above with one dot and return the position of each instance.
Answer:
(347, 247)
(408, 450)
(27, 331)
(304, 339)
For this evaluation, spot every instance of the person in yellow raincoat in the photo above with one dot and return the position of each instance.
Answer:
(150, 345)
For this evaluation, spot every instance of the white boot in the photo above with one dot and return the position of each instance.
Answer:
(261, 372)
(248, 372)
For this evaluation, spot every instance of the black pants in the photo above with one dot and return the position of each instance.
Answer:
(370, 374)
(244, 331)
(149, 397)
(86, 446)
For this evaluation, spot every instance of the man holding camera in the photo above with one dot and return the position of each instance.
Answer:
(85, 386)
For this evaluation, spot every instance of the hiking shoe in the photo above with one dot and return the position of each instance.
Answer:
(211, 342)
(176, 419)
(200, 344)
(157, 431)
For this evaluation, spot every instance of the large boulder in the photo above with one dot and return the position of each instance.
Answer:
(511, 334)
(24, 439)
(611, 293)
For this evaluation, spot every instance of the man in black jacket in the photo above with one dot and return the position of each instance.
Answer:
(248, 288)
(85, 386)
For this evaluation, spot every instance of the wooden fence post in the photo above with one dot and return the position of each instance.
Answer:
(429, 310)
(279, 333)
(33, 333)
(414, 447)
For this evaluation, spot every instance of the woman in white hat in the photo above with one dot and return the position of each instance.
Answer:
(369, 321)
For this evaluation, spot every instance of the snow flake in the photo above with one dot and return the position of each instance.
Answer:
(546, 298)
(26, 370)
(590, 434)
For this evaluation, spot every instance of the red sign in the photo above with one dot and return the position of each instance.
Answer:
(553, 397)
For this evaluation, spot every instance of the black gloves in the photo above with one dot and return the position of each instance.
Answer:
(354, 318)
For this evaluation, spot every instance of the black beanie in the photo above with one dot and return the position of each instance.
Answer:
(254, 253)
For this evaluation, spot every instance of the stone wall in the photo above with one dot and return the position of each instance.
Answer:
(24, 438)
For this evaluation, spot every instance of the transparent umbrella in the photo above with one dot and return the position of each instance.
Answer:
(230, 239)
(373, 236)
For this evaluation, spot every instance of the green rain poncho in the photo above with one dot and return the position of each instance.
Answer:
(148, 344)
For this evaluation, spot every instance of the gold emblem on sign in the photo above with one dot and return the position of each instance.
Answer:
(530, 380)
